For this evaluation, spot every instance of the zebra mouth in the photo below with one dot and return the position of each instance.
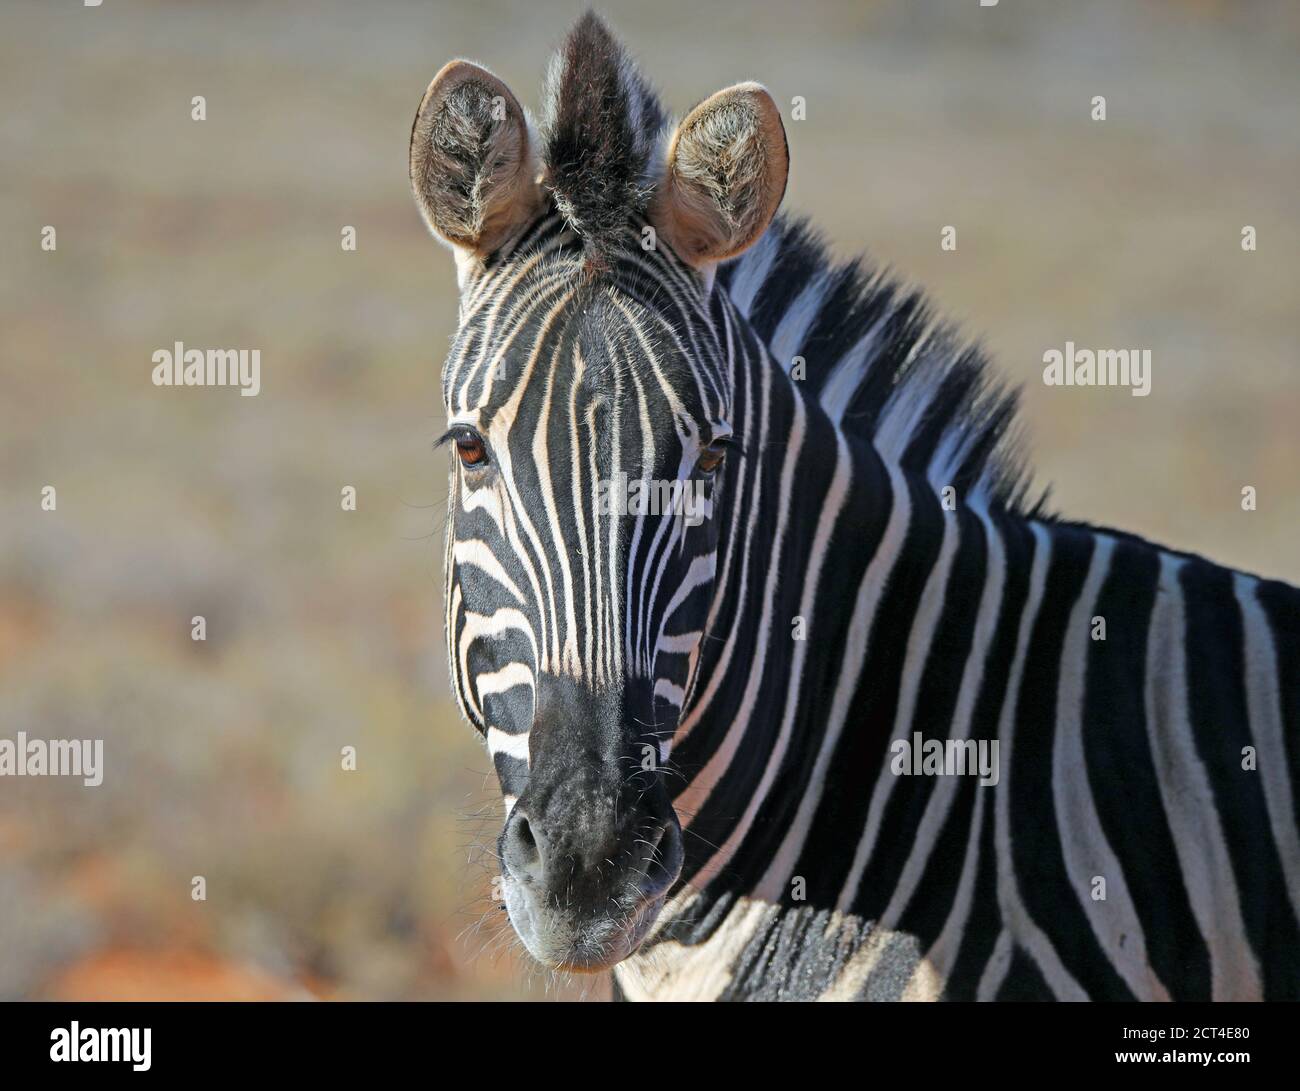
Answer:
(595, 933)
(561, 939)
(633, 932)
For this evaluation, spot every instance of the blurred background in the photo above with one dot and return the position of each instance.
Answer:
(324, 626)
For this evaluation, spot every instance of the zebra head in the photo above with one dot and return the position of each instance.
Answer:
(589, 406)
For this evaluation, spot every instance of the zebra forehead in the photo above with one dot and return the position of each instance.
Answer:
(609, 344)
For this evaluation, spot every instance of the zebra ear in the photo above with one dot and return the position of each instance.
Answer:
(472, 165)
(724, 176)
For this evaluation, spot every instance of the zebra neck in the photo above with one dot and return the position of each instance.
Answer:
(815, 523)
(823, 543)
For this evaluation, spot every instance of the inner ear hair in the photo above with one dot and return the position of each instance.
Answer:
(472, 164)
(724, 176)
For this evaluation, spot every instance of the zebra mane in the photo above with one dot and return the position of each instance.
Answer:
(883, 366)
(601, 127)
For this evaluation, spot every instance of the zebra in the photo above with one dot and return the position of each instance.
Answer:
(697, 723)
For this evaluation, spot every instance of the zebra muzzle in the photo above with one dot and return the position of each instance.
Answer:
(581, 894)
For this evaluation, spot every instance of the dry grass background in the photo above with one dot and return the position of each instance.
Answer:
(324, 627)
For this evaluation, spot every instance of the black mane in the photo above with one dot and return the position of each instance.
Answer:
(600, 132)
(873, 348)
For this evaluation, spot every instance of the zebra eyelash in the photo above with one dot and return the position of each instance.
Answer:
(732, 442)
(456, 431)
(460, 432)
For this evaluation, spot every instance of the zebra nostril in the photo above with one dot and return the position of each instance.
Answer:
(663, 861)
(521, 851)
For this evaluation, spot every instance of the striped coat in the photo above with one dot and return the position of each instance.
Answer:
(831, 708)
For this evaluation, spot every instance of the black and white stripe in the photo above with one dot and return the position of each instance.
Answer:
(1122, 758)
(1163, 759)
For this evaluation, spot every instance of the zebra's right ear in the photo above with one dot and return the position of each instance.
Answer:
(724, 176)
(473, 170)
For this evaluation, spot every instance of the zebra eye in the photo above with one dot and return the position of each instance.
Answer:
(471, 450)
(711, 458)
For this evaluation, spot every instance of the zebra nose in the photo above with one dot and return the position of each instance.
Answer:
(522, 852)
(652, 854)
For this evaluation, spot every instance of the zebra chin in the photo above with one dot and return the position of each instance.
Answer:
(561, 939)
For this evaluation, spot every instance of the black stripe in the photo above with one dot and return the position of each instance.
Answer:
(1281, 605)
(1216, 704)
(1122, 773)
(862, 750)
(927, 912)
(984, 922)
(1047, 889)
(1023, 981)
(798, 260)
(940, 683)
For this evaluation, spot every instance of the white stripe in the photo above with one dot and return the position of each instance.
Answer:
(501, 742)
(791, 334)
(918, 647)
(945, 790)
(847, 374)
(995, 970)
(674, 695)
(479, 627)
(748, 476)
(580, 514)
(1189, 801)
(1023, 928)
(1264, 708)
(499, 681)
(678, 643)
(475, 552)
(567, 660)
(752, 272)
(942, 955)
(777, 875)
(721, 760)
(1085, 849)
(501, 424)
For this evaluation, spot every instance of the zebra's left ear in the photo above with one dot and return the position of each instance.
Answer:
(724, 176)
